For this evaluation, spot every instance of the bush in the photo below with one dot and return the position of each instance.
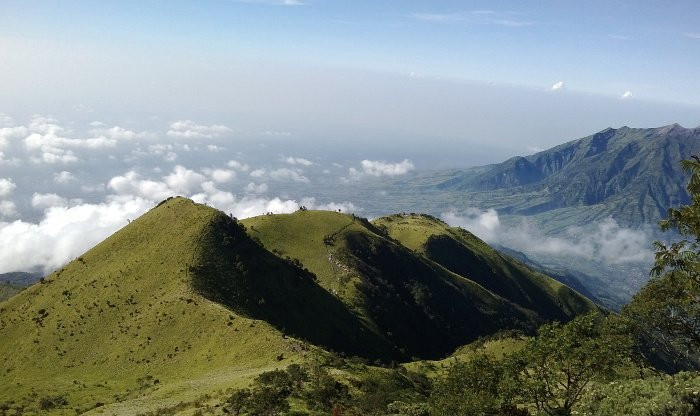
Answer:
(52, 402)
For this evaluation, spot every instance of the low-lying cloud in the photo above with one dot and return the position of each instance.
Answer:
(187, 129)
(377, 168)
(604, 241)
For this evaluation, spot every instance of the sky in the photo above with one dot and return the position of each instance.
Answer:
(107, 107)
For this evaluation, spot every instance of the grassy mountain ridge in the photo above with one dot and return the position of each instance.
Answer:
(185, 302)
(123, 322)
(401, 292)
(463, 253)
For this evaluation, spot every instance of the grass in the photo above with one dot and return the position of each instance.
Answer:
(122, 322)
(426, 308)
(463, 253)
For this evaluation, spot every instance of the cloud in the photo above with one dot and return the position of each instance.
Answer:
(627, 95)
(131, 184)
(285, 174)
(692, 35)
(272, 133)
(604, 241)
(7, 209)
(257, 173)
(43, 201)
(380, 168)
(187, 129)
(298, 161)
(475, 17)
(7, 185)
(9, 133)
(5, 120)
(115, 132)
(222, 175)
(484, 224)
(346, 207)
(63, 233)
(183, 180)
(45, 141)
(234, 164)
(558, 86)
(254, 188)
(63, 177)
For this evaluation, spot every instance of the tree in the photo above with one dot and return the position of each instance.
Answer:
(555, 368)
(665, 314)
(323, 392)
(477, 387)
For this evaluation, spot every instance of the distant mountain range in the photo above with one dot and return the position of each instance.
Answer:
(632, 175)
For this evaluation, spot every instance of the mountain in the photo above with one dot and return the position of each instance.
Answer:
(463, 253)
(630, 174)
(186, 301)
(421, 306)
(122, 322)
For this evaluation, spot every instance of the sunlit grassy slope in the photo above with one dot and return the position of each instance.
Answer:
(463, 253)
(123, 322)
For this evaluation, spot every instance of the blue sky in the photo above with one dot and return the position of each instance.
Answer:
(107, 107)
(650, 48)
(487, 79)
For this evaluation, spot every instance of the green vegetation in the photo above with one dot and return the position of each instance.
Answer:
(424, 308)
(666, 313)
(464, 254)
(120, 329)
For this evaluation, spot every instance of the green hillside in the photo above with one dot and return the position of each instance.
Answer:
(463, 253)
(186, 303)
(425, 308)
(122, 323)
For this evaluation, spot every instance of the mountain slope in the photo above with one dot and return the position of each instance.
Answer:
(632, 174)
(183, 302)
(123, 321)
(463, 253)
(425, 308)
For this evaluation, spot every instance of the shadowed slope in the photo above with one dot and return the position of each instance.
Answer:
(464, 254)
(235, 271)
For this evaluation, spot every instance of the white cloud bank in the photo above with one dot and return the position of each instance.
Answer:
(69, 227)
(379, 168)
(187, 129)
(7, 185)
(558, 86)
(605, 241)
(63, 233)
